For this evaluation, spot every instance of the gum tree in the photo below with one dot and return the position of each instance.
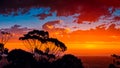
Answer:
(40, 42)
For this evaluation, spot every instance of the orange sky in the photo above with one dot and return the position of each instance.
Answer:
(94, 42)
(91, 48)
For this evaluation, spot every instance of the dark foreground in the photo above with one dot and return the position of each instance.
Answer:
(88, 61)
(21, 59)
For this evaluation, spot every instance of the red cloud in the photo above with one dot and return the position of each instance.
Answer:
(89, 10)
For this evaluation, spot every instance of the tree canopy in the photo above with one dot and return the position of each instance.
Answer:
(39, 41)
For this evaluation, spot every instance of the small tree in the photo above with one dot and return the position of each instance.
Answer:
(4, 39)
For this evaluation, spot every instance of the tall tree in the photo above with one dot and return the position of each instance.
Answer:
(39, 41)
(34, 39)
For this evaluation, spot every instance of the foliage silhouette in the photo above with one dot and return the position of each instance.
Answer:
(1, 48)
(38, 51)
(5, 50)
(4, 39)
(0, 57)
(116, 61)
(115, 56)
(18, 58)
(54, 46)
(38, 41)
(112, 66)
(34, 39)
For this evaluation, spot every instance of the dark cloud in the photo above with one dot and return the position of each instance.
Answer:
(117, 18)
(43, 16)
(89, 10)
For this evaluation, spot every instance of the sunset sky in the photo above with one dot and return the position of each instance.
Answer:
(87, 27)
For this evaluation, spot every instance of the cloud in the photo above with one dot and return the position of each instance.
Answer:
(16, 31)
(117, 18)
(50, 27)
(50, 24)
(43, 16)
(99, 34)
(89, 10)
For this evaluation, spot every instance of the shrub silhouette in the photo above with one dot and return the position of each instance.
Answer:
(20, 59)
(0, 57)
(1, 48)
(112, 66)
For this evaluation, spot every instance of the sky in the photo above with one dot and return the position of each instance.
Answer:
(87, 27)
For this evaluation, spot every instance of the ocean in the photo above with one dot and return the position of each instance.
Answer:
(96, 61)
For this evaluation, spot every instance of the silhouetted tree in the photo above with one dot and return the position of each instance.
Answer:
(55, 46)
(51, 57)
(112, 66)
(115, 56)
(1, 48)
(5, 50)
(34, 39)
(4, 39)
(116, 61)
(20, 59)
(38, 51)
(68, 61)
(39, 42)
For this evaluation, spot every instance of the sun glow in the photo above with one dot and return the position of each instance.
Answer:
(90, 46)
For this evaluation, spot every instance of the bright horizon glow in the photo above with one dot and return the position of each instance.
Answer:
(90, 46)
(81, 49)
